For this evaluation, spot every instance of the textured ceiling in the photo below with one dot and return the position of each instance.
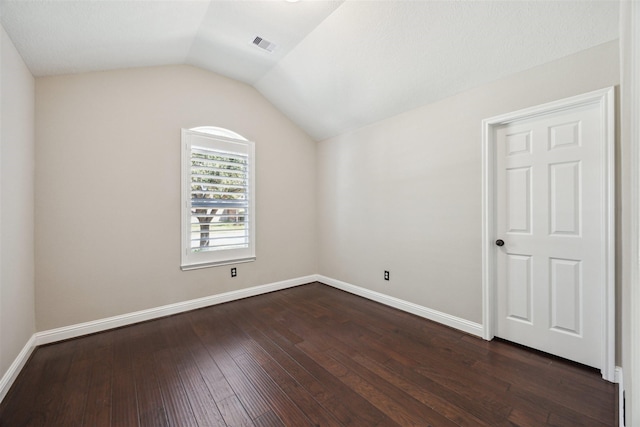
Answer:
(337, 66)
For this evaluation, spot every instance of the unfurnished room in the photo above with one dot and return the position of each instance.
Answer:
(319, 213)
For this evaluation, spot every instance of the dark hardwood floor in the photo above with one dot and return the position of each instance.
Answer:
(306, 356)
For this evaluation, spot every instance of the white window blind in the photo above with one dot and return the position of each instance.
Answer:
(218, 199)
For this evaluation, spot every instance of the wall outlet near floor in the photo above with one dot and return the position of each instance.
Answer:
(234, 272)
(386, 275)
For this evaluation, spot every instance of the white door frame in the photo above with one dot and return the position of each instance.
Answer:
(604, 98)
(631, 43)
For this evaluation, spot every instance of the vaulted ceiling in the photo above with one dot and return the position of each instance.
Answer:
(336, 65)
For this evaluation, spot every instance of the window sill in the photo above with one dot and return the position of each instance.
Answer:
(216, 264)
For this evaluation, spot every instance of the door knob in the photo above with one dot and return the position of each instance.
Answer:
(500, 242)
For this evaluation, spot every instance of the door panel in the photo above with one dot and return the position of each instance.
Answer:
(519, 288)
(564, 135)
(566, 295)
(519, 200)
(564, 203)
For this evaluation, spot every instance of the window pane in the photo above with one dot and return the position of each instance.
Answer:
(219, 188)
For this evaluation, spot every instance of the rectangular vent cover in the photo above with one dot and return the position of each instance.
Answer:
(264, 44)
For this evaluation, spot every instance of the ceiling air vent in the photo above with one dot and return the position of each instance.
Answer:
(264, 44)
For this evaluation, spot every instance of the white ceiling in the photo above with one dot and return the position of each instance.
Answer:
(338, 65)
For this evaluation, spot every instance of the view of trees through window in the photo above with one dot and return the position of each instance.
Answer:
(219, 183)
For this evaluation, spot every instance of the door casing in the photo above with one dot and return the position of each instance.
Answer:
(604, 98)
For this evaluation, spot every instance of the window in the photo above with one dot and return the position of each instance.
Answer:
(218, 198)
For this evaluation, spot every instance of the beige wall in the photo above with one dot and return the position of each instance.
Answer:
(405, 193)
(17, 319)
(108, 190)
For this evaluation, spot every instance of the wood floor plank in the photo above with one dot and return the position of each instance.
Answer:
(346, 405)
(296, 392)
(280, 403)
(74, 394)
(176, 404)
(425, 396)
(57, 365)
(569, 395)
(124, 399)
(362, 387)
(151, 409)
(305, 356)
(408, 404)
(346, 354)
(194, 399)
(268, 419)
(25, 400)
(215, 380)
(98, 408)
(314, 387)
(254, 404)
(492, 412)
(234, 413)
(202, 403)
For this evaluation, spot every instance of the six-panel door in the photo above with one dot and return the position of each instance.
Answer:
(548, 198)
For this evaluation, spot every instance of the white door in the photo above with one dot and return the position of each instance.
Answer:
(549, 195)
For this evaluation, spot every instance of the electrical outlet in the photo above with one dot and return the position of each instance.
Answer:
(234, 272)
(386, 275)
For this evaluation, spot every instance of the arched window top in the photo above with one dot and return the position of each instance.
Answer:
(212, 130)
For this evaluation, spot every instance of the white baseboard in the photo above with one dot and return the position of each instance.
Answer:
(80, 329)
(437, 316)
(72, 331)
(12, 373)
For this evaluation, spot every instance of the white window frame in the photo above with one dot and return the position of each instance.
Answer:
(217, 139)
